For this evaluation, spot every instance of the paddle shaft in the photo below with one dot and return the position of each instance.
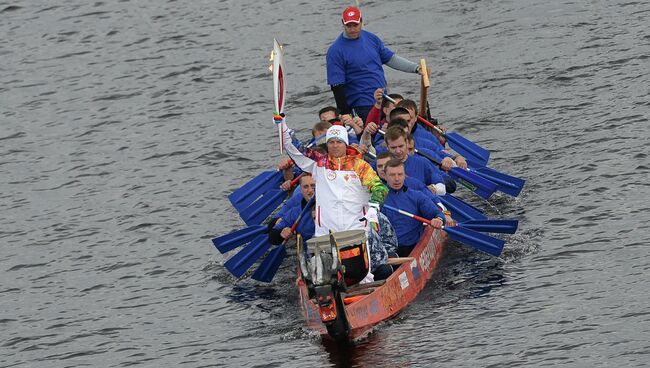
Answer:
(302, 213)
(424, 86)
(295, 180)
(482, 242)
(413, 216)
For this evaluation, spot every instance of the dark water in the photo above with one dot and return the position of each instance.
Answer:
(124, 125)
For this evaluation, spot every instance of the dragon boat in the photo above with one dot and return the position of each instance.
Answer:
(332, 268)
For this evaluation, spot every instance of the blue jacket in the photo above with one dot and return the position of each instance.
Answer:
(421, 134)
(296, 200)
(420, 168)
(305, 227)
(415, 184)
(357, 64)
(409, 230)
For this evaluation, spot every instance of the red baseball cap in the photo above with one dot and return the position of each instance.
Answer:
(351, 14)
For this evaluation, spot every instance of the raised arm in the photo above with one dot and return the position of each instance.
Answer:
(304, 163)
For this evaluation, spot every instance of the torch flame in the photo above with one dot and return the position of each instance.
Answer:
(271, 61)
(271, 57)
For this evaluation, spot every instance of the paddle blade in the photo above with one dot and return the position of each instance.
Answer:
(467, 148)
(259, 210)
(491, 226)
(249, 192)
(269, 267)
(228, 242)
(476, 240)
(461, 211)
(476, 183)
(508, 184)
(244, 259)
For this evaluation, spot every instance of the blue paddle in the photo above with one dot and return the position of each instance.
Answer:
(269, 267)
(259, 210)
(249, 192)
(508, 184)
(476, 240)
(491, 226)
(460, 210)
(228, 242)
(476, 183)
(244, 259)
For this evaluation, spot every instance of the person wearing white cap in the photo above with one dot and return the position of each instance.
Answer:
(348, 190)
(354, 66)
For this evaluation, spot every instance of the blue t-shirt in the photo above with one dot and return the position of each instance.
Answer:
(357, 64)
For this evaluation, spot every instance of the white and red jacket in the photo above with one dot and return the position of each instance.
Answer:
(343, 187)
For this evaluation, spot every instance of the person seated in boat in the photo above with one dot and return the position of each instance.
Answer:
(299, 197)
(318, 132)
(354, 125)
(328, 113)
(378, 142)
(407, 110)
(401, 196)
(409, 182)
(281, 229)
(416, 167)
(382, 108)
(397, 117)
(450, 183)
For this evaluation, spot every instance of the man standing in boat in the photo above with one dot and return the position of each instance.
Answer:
(348, 190)
(355, 66)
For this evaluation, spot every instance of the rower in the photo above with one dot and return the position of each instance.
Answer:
(354, 125)
(400, 196)
(397, 118)
(411, 183)
(382, 108)
(415, 166)
(289, 214)
(407, 109)
(328, 113)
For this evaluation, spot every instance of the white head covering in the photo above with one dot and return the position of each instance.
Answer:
(337, 132)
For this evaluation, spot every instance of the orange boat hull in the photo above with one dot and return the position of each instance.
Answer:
(387, 300)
